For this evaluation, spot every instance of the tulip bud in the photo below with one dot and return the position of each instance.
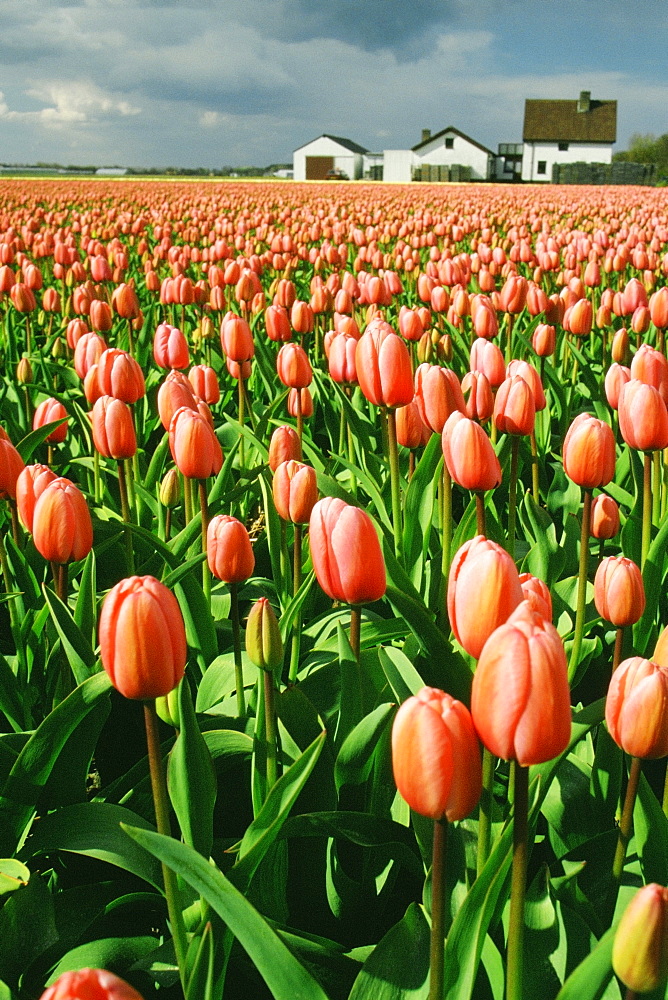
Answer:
(31, 483)
(589, 452)
(640, 948)
(142, 638)
(284, 445)
(167, 707)
(96, 984)
(436, 756)
(345, 551)
(170, 489)
(514, 406)
(229, 550)
(619, 594)
(62, 526)
(24, 371)
(537, 593)
(295, 491)
(620, 346)
(643, 418)
(543, 340)
(604, 517)
(263, 636)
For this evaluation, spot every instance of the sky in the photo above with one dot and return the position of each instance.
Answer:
(207, 83)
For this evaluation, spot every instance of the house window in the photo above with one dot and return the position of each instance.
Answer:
(563, 147)
(449, 143)
(542, 167)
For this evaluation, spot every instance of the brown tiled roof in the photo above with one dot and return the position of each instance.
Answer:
(560, 121)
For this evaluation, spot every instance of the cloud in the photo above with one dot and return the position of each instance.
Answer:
(70, 103)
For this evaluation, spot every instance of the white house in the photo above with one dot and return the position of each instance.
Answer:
(448, 155)
(314, 160)
(556, 132)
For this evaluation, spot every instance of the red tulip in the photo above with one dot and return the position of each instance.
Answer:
(30, 484)
(229, 550)
(284, 446)
(305, 400)
(520, 700)
(205, 383)
(589, 452)
(295, 491)
(604, 517)
(436, 756)
(277, 324)
(142, 638)
(384, 368)
(61, 526)
(469, 455)
(176, 391)
(293, 366)
(619, 594)
(170, 349)
(345, 551)
(643, 418)
(11, 464)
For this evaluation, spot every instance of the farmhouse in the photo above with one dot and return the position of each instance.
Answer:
(328, 153)
(560, 132)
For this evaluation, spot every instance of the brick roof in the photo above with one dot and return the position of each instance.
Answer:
(560, 121)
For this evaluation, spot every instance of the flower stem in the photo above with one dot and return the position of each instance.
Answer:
(619, 642)
(480, 513)
(512, 493)
(437, 910)
(270, 727)
(204, 510)
(485, 810)
(355, 630)
(242, 400)
(127, 519)
(160, 800)
(582, 586)
(535, 478)
(394, 479)
(296, 584)
(300, 415)
(515, 963)
(446, 530)
(236, 637)
(646, 508)
(626, 823)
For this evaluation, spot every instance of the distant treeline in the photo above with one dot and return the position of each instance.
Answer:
(647, 149)
(226, 171)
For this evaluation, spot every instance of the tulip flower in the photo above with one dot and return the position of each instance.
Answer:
(436, 764)
(295, 491)
(236, 338)
(478, 395)
(62, 526)
(619, 593)
(90, 984)
(170, 349)
(193, 444)
(119, 375)
(88, 350)
(30, 484)
(277, 324)
(346, 555)
(438, 394)
(604, 517)
(204, 382)
(640, 948)
(48, 411)
(487, 358)
(616, 377)
(283, 446)
(537, 594)
(113, 428)
(265, 648)
(11, 465)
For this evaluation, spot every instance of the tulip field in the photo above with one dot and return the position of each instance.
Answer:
(333, 552)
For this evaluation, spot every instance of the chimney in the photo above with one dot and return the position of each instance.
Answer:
(584, 101)
(426, 134)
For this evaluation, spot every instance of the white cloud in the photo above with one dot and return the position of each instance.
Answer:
(69, 103)
(209, 119)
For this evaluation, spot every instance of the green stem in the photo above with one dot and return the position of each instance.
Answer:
(131, 340)
(160, 803)
(204, 510)
(656, 495)
(515, 963)
(236, 637)
(285, 563)
(480, 513)
(4, 564)
(535, 477)
(582, 586)
(646, 508)
(626, 823)
(485, 809)
(351, 459)
(355, 630)
(512, 493)
(300, 415)
(127, 520)
(97, 494)
(187, 500)
(296, 584)
(617, 655)
(664, 804)
(270, 727)
(395, 485)
(437, 951)
(14, 515)
(242, 407)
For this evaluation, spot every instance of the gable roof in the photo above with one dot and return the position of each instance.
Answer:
(346, 143)
(452, 130)
(560, 121)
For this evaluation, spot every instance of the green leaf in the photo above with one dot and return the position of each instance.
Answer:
(266, 827)
(192, 779)
(201, 977)
(27, 928)
(200, 632)
(419, 511)
(283, 974)
(355, 757)
(295, 605)
(12, 702)
(455, 676)
(27, 445)
(219, 681)
(13, 875)
(401, 675)
(38, 757)
(350, 699)
(398, 967)
(589, 980)
(650, 828)
(84, 611)
(117, 954)
(93, 829)
(77, 648)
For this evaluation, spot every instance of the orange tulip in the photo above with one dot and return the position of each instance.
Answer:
(384, 367)
(194, 446)
(204, 381)
(342, 358)
(469, 455)
(640, 948)
(142, 638)
(90, 984)
(11, 464)
(478, 395)
(438, 394)
(176, 391)
(304, 400)
(636, 708)
(236, 338)
(113, 428)
(537, 593)
(411, 429)
(604, 517)
(89, 349)
(436, 756)
(589, 452)
(293, 366)
(619, 594)
(229, 550)
(100, 315)
(483, 590)
(61, 525)
(487, 358)
(345, 551)
(120, 376)
(277, 324)
(616, 377)
(284, 446)
(170, 349)
(514, 406)
(543, 340)
(643, 418)
(48, 411)
(295, 491)
(520, 700)
(124, 301)
(31, 483)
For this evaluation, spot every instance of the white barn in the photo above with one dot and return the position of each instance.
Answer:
(448, 155)
(556, 132)
(314, 160)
